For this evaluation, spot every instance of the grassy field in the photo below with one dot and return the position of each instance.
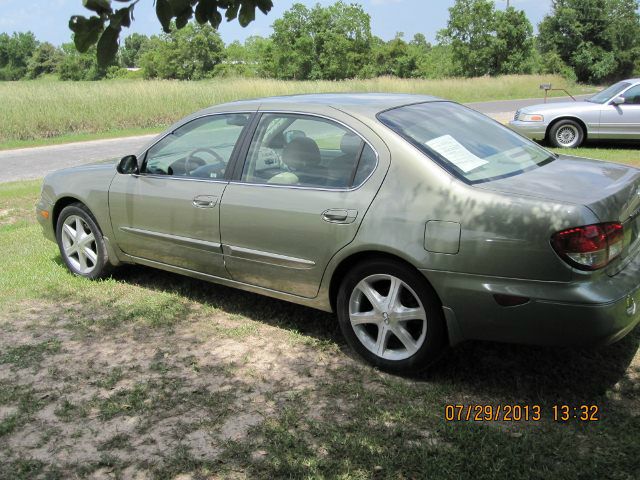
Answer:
(629, 154)
(153, 375)
(36, 110)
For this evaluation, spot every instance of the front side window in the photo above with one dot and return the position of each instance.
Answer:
(632, 96)
(290, 149)
(468, 144)
(608, 93)
(201, 148)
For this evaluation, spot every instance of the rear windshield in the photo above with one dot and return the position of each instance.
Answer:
(468, 144)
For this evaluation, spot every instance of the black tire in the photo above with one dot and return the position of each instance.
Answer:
(101, 267)
(566, 134)
(435, 339)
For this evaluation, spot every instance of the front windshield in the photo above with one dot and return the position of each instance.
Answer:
(608, 93)
(465, 142)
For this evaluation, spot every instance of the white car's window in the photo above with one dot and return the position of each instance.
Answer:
(465, 142)
(201, 148)
(306, 151)
(632, 96)
(608, 93)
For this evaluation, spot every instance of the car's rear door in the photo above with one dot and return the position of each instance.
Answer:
(297, 199)
(169, 213)
(622, 121)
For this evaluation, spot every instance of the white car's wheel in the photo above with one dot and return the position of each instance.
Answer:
(566, 134)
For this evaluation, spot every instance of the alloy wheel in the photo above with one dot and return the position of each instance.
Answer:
(79, 244)
(388, 317)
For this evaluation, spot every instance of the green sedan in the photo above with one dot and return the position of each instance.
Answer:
(418, 221)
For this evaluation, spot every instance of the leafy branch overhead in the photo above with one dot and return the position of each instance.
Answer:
(103, 27)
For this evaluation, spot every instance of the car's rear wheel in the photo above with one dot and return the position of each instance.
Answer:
(566, 134)
(391, 316)
(81, 243)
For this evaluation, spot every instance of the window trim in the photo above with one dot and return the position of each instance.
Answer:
(232, 159)
(244, 153)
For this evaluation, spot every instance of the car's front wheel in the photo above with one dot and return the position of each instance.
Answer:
(566, 134)
(81, 243)
(391, 316)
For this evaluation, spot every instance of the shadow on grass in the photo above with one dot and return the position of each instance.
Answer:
(396, 429)
(506, 373)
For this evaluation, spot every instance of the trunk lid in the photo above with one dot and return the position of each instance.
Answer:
(611, 191)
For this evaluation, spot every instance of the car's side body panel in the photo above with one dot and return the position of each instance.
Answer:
(619, 122)
(87, 184)
(275, 236)
(154, 217)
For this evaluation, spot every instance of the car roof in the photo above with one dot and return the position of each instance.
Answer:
(366, 103)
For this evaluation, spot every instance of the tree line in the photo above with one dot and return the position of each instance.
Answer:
(586, 40)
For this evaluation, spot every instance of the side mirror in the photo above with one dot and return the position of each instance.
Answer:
(617, 100)
(128, 165)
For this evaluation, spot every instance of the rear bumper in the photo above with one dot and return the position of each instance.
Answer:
(586, 313)
(533, 130)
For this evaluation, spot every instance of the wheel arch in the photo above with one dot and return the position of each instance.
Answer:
(60, 204)
(353, 259)
(579, 121)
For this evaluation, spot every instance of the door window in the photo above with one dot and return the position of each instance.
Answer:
(632, 96)
(307, 151)
(201, 148)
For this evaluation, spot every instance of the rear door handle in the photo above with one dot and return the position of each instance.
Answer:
(339, 215)
(205, 201)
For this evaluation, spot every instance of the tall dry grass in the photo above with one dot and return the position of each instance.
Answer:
(43, 109)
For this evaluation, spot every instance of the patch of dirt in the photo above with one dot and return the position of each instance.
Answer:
(137, 395)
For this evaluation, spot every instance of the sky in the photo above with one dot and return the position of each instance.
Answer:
(48, 19)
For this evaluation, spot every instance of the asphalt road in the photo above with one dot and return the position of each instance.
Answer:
(36, 162)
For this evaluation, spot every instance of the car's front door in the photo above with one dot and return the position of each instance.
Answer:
(170, 212)
(305, 186)
(622, 121)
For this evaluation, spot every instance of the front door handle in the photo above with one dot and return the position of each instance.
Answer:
(205, 201)
(339, 215)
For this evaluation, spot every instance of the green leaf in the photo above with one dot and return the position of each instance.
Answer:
(108, 46)
(202, 12)
(215, 18)
(121, 18)
(232, 11)
(99, 6)
(182, 10)
(265, 6)
(86, 31)
(247, 14)
(164, 13)
(183, 19)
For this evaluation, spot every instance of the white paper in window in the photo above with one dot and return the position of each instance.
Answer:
(454, 151)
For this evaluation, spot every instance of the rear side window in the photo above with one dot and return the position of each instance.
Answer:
(468, 144)
(301, 150)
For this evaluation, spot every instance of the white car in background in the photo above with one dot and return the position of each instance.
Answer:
(612, 114)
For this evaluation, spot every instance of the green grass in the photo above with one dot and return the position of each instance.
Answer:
(24, 356)
(157, 366)
(35, 113)
(611, 153)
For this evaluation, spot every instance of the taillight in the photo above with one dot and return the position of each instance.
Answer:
(590, 247)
